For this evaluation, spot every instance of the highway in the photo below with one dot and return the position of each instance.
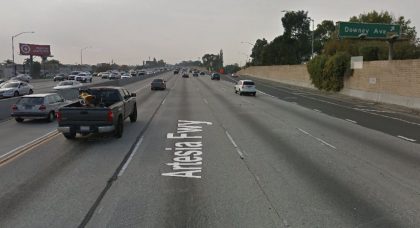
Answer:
(200, 155)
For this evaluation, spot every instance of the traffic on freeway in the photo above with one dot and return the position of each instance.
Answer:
(313, 125)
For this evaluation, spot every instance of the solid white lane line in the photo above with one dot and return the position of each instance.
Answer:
(241, 155)
(405, 138)
(316, 138)
(163, 102)
(351, 121)
(131, 157)
(316, 110)
(27, 144)
(205, 101)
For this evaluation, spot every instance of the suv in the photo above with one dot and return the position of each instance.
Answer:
(215, 76)
(83, 77)
(245, 87)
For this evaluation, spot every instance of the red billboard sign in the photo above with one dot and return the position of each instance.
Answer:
(35, 49)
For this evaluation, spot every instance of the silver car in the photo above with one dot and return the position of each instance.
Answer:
(15, 88)
(38, 106)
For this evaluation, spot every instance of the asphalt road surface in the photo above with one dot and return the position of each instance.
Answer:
(202, 156)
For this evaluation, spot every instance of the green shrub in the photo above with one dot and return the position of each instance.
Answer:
(315, 68)
(327, 73)
(369, 53)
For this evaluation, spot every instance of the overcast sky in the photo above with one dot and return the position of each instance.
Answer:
(129, 31)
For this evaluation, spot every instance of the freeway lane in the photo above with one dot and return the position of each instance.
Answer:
(365, 113)
(262, 161)
(55, 184)
(14, 134)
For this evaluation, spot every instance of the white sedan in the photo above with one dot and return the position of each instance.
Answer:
(15, 88)
(68, 85)
(126, 76)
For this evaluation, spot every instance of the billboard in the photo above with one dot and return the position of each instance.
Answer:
(35, 49)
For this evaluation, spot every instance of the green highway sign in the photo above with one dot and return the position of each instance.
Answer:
(368, 30)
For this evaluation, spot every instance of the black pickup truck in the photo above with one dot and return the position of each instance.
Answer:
(110, 107)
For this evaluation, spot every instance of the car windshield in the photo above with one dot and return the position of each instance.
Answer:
(31, 101)
(10, 85)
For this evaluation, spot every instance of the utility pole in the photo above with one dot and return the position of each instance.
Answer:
(13, 50)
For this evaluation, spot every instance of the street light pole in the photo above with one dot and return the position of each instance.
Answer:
(313, 34)
(81, 54)
(13, 50)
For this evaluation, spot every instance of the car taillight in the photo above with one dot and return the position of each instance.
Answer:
(110, 116)
(14, 107)
(42, 108)
(58, 116)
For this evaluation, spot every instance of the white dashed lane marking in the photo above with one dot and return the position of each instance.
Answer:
(318, 139)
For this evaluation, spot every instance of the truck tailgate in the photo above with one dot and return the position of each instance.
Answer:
(91, 116)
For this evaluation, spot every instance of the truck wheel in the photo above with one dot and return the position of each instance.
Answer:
(133, 116)
(119, 129)
(69, 135)
(19, 120)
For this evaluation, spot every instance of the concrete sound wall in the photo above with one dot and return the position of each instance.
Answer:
(394, 82)
(288, 74)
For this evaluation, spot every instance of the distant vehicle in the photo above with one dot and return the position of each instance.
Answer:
(141, 73)
(60, 77)
(185, 75)
(95, 74)
(125, 76)
(2, 81)
(215, 76)
(176, 71)
(133, 73)
(202, 73)
(234, 75)
(195, 75)
(70, 84)
(104, 75)
(22, 77)
(73, 75)
(114, 76)
(83, 77)
(15, 88)
(37, 106)
(245, 87)
(110, 107)
(158, 84)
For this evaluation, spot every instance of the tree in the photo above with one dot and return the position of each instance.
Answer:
(293, 47)
(212, 62)
(374, 17)
(322, 34)
(257, 51)
(229, 69)
(36, 69)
